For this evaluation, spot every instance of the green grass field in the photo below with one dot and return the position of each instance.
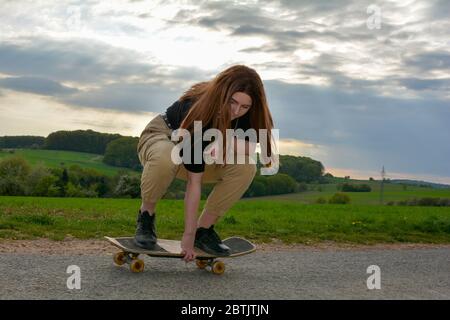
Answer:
(54, 158)
(290, 218)
(260, 221)
(391, 192)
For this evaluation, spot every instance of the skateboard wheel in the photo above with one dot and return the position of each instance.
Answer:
(137, 265)
(218, 267)
(119, 258)
(201, 264)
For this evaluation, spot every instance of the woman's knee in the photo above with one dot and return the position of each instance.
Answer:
(158, 165)
(157, 151)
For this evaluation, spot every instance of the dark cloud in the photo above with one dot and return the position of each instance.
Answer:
(321, 7)
(222, 15)
(429, 61)
(131, 97)
(39, 67)
(295, 36)
(407, 133)
(426, 84)
(275, 46)
(76, 60)
(40, 86)
(438, 9)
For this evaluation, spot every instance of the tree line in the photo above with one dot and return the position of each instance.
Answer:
(19, 178)
(121, 151)
(117, 150)
(32, 142)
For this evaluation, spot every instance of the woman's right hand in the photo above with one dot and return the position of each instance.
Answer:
(187, 247)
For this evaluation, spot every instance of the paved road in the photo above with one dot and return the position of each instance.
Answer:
(301, 274)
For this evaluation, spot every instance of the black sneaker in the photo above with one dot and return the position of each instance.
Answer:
(145, 231)
(209, 241)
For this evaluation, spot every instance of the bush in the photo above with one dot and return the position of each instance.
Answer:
(122, 153)
(90, 181)
(321, 200)
(11, 186)
(13, 174)
(348, 187)
(41, 182)
(280, 183)
(426, 201)
(128, 186)
(78, 192)
(339, 198)
(15, 166)
(302, 169)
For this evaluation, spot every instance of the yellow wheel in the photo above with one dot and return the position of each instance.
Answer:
(137, 265)
(201, 264)
(218, 267)
(119, 258)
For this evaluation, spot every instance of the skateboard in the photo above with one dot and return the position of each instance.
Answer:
(172, 249)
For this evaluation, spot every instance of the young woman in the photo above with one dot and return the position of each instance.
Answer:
(234, 99)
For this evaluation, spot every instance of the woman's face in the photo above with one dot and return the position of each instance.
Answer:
(240, 103)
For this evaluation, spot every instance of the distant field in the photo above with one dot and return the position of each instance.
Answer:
(261, 221)
(391, 192)
(54, 158)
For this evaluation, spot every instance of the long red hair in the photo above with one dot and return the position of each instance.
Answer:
(211, 102)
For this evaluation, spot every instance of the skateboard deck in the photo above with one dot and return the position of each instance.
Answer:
(172, 249)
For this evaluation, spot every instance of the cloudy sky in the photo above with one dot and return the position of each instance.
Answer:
(353, 84)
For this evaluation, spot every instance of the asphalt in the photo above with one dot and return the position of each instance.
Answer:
(291, 274)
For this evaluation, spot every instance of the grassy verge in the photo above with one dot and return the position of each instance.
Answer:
(261, 221)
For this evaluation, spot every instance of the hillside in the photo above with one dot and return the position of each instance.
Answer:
(423, 183)
(391, 192)
(56, 158)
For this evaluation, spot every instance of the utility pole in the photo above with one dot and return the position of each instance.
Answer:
(383, 173)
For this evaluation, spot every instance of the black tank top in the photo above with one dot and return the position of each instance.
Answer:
(176, 114)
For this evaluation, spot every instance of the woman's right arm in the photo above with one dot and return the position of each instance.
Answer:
(191, 203)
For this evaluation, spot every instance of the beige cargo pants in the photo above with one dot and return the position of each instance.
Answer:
(154, 151)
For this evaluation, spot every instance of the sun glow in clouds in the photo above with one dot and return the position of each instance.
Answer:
(44, 116)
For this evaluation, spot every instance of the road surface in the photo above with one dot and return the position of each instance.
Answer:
(275, 274)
